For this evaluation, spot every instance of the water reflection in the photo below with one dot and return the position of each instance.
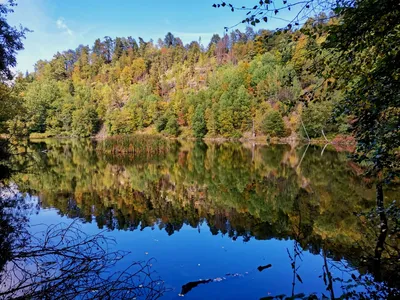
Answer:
(247, 191)
(61, 260)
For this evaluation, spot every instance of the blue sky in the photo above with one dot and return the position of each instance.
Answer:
(59, 25)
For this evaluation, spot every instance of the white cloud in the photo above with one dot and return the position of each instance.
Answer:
(62, 25)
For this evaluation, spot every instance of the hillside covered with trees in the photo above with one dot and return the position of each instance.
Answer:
(243, 84)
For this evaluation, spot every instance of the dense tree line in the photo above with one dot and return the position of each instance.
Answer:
(241, 84)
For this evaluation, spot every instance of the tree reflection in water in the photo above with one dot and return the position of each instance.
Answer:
(62, 261)
(259, 192)
(378, 277)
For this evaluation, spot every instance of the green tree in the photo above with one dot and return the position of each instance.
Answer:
(367, 67)
(39, 100)
(108, 48)
(11, 106)
(273, 124)
(316, 118)
(11, 42)
(161, 123)
(225, 115)
(242, 109)
(11, 38)
(214, 40)
(84, 121)
(58, 67)
(172, 126)
(169, 40)
(118, 48)
(199, 123)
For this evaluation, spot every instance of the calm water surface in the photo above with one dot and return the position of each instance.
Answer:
(254, 221)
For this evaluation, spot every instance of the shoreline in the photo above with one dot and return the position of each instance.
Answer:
(345, 141)
(348, 141)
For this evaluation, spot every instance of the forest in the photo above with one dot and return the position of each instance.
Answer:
(242, 84)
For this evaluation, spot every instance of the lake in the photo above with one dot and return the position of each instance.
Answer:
(222, 220)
